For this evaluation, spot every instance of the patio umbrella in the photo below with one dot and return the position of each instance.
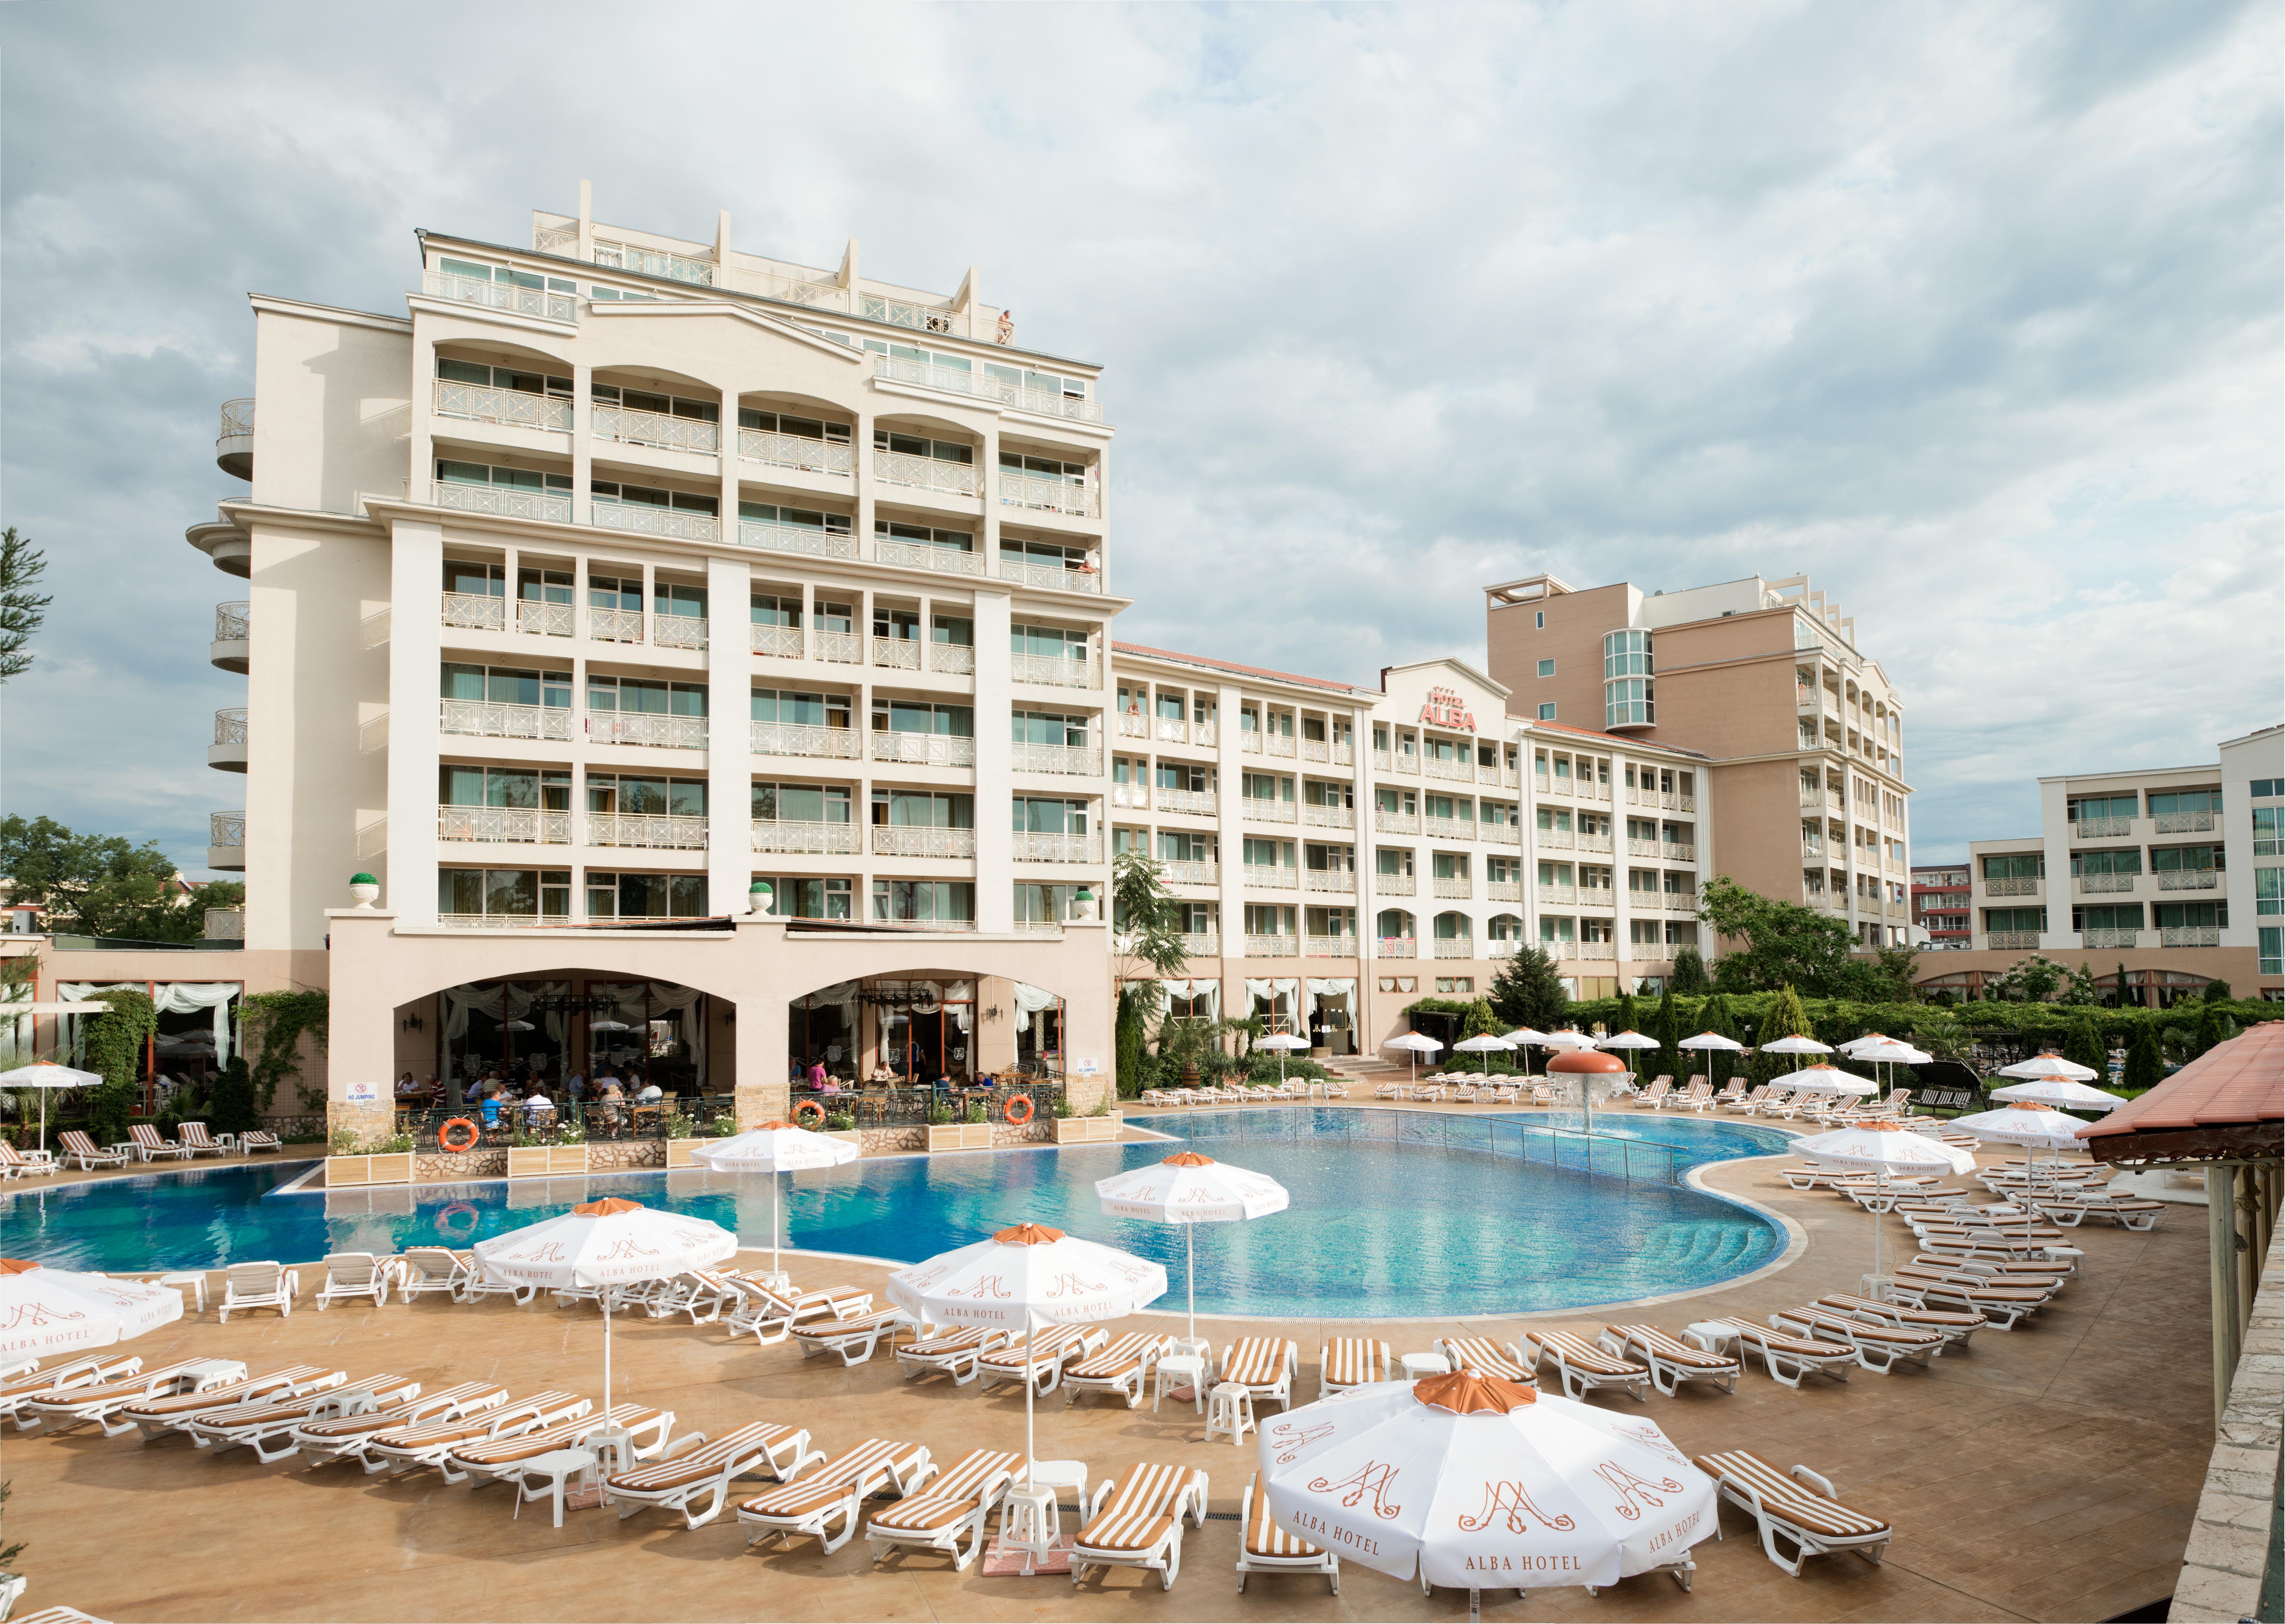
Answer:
(1482, 1045)
(1419, 1042)
(1796, 1046)
(1189, 1189)
(43, 1077)
(598, 1244)
(2047, 1064)
(2060, 1093)
(1628, 1040)
(1885, 1051)
(2029, 1123)
(1884, 1147)
(775, 1148)
(1458, 1477)
(47, 1311)
(1028, 1275)
(1822, 1079)
(1281, 1041)
(1523, 1036)
(1712, 1040)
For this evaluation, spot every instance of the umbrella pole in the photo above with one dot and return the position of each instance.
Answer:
(1030, 1387)
(606, 1302)
(777, 1261)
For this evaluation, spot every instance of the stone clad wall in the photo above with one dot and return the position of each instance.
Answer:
(2229, 1544)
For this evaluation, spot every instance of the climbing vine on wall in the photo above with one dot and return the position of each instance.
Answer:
(114, 1053)
(272, 1025)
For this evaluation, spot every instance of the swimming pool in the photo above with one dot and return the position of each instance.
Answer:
(1395, 1214)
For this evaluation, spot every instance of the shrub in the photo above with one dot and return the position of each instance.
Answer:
(940, 1116)
(839, 1121)
(231, 1108)
(1689, 972)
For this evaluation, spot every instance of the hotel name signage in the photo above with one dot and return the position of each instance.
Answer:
(1446, 708)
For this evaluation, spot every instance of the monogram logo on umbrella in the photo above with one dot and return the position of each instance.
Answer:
(26, 1316)
(1630, 1488)
(1293, 1439)
(1373, 1479)
(1652, 1439)
(1509, 1502)
(990, 1285)
(625, 1247)
(1072, 1285)
(552, 1253)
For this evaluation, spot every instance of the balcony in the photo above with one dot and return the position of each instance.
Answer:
(1449, 828)
(1681, 902)
(1328, 879)
(814, 839)
(1597, 896)
(520, 825)
(1329, 816)
(1594, 842)
(502, 296)
(233, 630)
(921, 555)
(673, 631)
(673, 732)
(1589, 950)
(2183, 822)
(1055, 577)
(1641, 848)
(1396, 947)
(1052, 496)
(1395, 822)
(479, 403)
(1202, 943)
(228, 751)
(535, 619)
(1273, 946)
(1330, 946)
(226, 842)
(777, 642)
(475, 612)
(1059, 671)
(1678, 852)
(772, 450)
(896, 653)
(1270, 877)
(615, 625)
(1036, 848)
(225, 925)
(2108, 938)
(1187, 871)
(234, 444)
(1197, 803)
(1553, 840)
(1069, 760)
(2096, 884)
(481, 719)
(1394, 886)
(892, 840)
(1459, 890)
(953, 380)
(801, 738)
(913, 473)
(503, 501)
(647, 831)
(1503, 947)
(1281, 744)
(1435, 766)
(2102, 828)
(1455, 947)
(2014, 886)
(2189, 879)
(924, 749)
(1503, 890)
(1166, 729)
(2189, 936)
(1559, 896)
(806, 539)
(951, 659)
(2010, 941)
(837, 648)
(1257, 811)
(643, 518)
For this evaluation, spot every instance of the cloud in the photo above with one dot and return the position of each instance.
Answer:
(1969, 312)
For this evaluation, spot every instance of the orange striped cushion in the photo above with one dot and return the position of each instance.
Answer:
(831, 1481)
(1256, 1361)
(1789, 1499)
(1350, 1360)
(1136, 1521)
(1265, 1538)
(753, 1441)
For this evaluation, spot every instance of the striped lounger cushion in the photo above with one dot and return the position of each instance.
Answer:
(756, 1438)
(1350, 1361)
(857, 1325)
(472, 1396)
(1139, 1516)
(830, 1483)
(1123, 1357)
(1805, 1347)
(1825, 1322)
(1256, 1361)
(233, 1392)
(1789, 1500)
(1479, 1354)
(1671, 1349)
(1577, 1351)
(562, 1435)
(1050, 1349)
(955, 1342)
(1928, 1318)
(1265, 1538)
(952, 1496)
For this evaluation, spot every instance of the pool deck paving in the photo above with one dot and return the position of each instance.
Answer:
(2050, 1473)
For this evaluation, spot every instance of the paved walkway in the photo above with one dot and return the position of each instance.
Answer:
(2051, 1473)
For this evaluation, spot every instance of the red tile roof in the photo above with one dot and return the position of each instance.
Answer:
(1244, 671)
(2236, 1083)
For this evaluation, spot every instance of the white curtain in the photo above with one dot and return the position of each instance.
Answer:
(1330, 988)
(1031, 1000)
(1204, 987)
(166, 998)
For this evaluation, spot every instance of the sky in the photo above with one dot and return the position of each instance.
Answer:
(1971, 312)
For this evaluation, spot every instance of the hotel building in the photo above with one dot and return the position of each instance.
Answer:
(1940, 904)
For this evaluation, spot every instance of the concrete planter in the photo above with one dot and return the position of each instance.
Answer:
(395, 1167)
(850, 1134)
(539, 1161)
(678, 1152)
(1086, 1130)
(961, 1136)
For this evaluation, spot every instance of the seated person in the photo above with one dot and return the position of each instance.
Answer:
(882, 1075)
(407, 1088)
(650, 1094)
(491, 1108)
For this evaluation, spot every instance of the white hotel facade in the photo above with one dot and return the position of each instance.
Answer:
(622, 575)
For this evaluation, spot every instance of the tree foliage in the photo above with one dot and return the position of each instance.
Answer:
(2085, 1047)
(2146, 1065)
(1784, 1018)
(1626, 1019)
(2216, 990)
(1528, 992)
(1689, 972)
(2209, 1031)
(115, 1046)
(103, 885)
(230, 1109)
(1146, 915)
(22, 606)
(273, 1024)
(1714, 1016)
(1666, 1026)
(1782, 944)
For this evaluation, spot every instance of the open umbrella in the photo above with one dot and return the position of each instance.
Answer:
(45, 1311)
(1713, 1041)
(775, 1148)
(45, 1076)
(2029, 1123)
(1823, 1079)
(1027, 1276)
(1420, 1043)
(2049, 1066)
(1482, 1045)
(1459, 1478)
(598, 1244)
(2060, 1093)
(1189, 1189)
(1628, 1040)
(1523, 1036)
(1884, 1147)
(1882, 1050)
(1796, 1046)
(1282, 1042)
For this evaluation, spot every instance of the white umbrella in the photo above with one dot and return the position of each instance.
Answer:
(1281, 1041)
(1628, 1040)
(47, 1311)
(1832, 1079)
(1419, 1042)
(1028, 1275)
(1567, 1041)
(1482, 1045)
(1712, 1040)
(2047, 1064)
(2060, 1093)
(1882, 1050)
(1189, 1189)
(1884, 1147)
(602, 1244)
(1460, 1477)
(45, 1076)
(1523, 1036)
(775, 1148)
(1796, 1046)
(2031, 1124)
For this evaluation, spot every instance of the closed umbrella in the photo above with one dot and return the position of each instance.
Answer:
(1884, 1147)
(1459, 1478)
(1189, 1189)
(1282, 1042)
(48, 1311)
(1484, 1045)
(1028, 1275)
(775, 1148)
(43, 1077)
(598, 1245)
(1420, 1043)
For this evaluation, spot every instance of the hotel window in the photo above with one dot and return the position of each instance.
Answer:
(896, 626)
(798, 896)
(2099, 808)
(500, 684)
(2186, 859)
(1393, 925)
(1034, 726)
(1547, 668)
(2192, 915)
(2185, 801)
(2021, 866)
(638, 697)
(1392, 861)
(924, 901)
(799, 710)
(613, 493)
(917, 445)
(1558, 929)
(1547, 713)
(2267, 822)
(807, 518)
(769, 610)
(911, 716)
(629, 795)
(1043, 467)
(1170, 703)
(1645, 933)
(503, 893)
(2267, 899)
(1037, 817)
(924, 536)
(503, 377)
(921, 809)
(1555, 818)
(800, 428)
(1180, 775)
(646, 896)
(527, 789)
(649, 400)
(2014, 919)
(1329, 859)
(2273, 950)
(1456, 984)
(1043, 554)
(672, 599)
(1316, 792)
(958, 631)
(800, 803)
(1396, 803)
(1266, 787)
(513, 479)
(1269, 853)
(2126, 861)
(2108, 916)
(1184, 846)
(1268, 919)
(1539, 620)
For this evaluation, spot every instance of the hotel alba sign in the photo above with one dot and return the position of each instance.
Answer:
(1447, 709)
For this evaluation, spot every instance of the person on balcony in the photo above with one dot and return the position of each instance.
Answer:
(1006, 326)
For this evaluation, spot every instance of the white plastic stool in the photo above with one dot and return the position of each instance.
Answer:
(1231, 1411)
(1180, 1370)
(1030, 1522)
(1417, 1365)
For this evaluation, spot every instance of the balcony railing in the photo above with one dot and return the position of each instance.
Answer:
(233, 622)
(924, 749)
(1449, 828)
(1055, 577)
(1395, 822)
(953, 659)
(226, 829)
(536, 619)
(615, 625)
(474, 612)
(479, 403)
(1259, 811)
(1503, 947)
(1072, 760)
(1594, 842)
(1273, 946)
(1270, 877)
(2169, 879)
(1330, 946)
(642, 518)
(954, 381)
(2102, 828)
(1680, 902)
(1200, 803)
(1039, 848)
(1677, 851)
(802, 739)
(677, 632)
(1459, 890)
(1555, 840)
(1328, 879)
(777, 450)
(1315, 749)
(1396, 947)
(2018, 885)
(1508, 778)
(237, 419)
(506, 825)
(2109, 937)
(658, 430)
(649, 830)
(674, 732)
(229, 725)
(896, 653)
(1281, 744)
(1329, 816)
(1455, 947)
(1054, 496)
(837, 647)
(481, 719)
(2092, 884)
(1436, 767)
(1189, 871)
(806, 539)
(1394, 886)
(2183, 822)
(892, 840)
(1553, 896)
(1597, 896)
(822, 839)
(924, 472)
(2189, 936)
(777, 642)
(653, 262)
(1589, 950)
(921, 555)
(1202, 943)
(505, 501)
(2007, 941)
(225, 924)
(502, 296)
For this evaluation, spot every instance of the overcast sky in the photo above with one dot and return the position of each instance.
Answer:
(1971, 312)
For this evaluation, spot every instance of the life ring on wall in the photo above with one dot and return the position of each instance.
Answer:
(452, 1232)
(802, 1105)
(445, 1135)
(1009, 1109)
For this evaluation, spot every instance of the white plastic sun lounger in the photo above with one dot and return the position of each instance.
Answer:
(1138, 1521)
(1486, 1357)
(834, 1493)
(774, 1315)
(1267, 1549)
(267, 1426)
(954, 1353)
(1671, 1361)
(1799, 1508)
(1344, 1362)
(1789, 1358)
(501, 1460)
(157, 1417)
(1122, 1367)
(36, 1383)
(357, 1274)
(855, 1339)
(1955, 1326)
(691, 1469)
(1264, 1367)
(68, 1407)
(341, 1436)
(1880, 1348)
(410, 1449)
(1044, 1360)
(1583, 1367)
(957, 1505)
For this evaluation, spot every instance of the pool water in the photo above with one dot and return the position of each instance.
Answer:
(1394, 1214)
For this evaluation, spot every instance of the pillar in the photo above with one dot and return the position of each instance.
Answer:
(416, 648)
(729, 762)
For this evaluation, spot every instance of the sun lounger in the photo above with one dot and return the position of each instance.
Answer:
(150, 1147)
(259, 1285)
(27, 1385)
(835, 1492)
(2138, 1215)
(498, 1460)
(195, 1139)
(1486, 1357)
(1814, 1177)
(1263, 1366)
(1671, 1361)
(1044, 1358)
(1137, 1522)
(256, 1139)
(333, 1438)
(266, 1425)
(356, 1273)
(1122, 1367)
(1799, 1508)
(1330, 1088)
(1583, 1367)
(2002, 1271)
(1698, 1097)
(958, 1505)
(771, 1314)
(71, 1405)
(161, 1414)
(855, 1337)
(690, 1469)
(954, 1353)
(424, 1271)
(1789, 1358)
(79, 1147)
(2003, 1307)
(1955, 1326)
(1879, 1348)
(409, 1448)
(1267, 1549)
(1351, 1361)
(1747, 1103)
(16, 1164)
(1654, 1096)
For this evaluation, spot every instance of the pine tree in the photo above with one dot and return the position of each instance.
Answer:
(1784, 1018)
(1720, 1064)
(1624, 1020)
(1666, 1026)
(2145, 1068)
(2209, 1032)
(1130, 1037)
(1689, 972)
(1528, 992)
(2085, 1047)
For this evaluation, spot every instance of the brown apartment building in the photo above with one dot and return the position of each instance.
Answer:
(1802, 734)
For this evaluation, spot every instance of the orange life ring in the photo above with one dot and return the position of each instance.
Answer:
(445, 1135)
(802, 1105)
(1009, 1109)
